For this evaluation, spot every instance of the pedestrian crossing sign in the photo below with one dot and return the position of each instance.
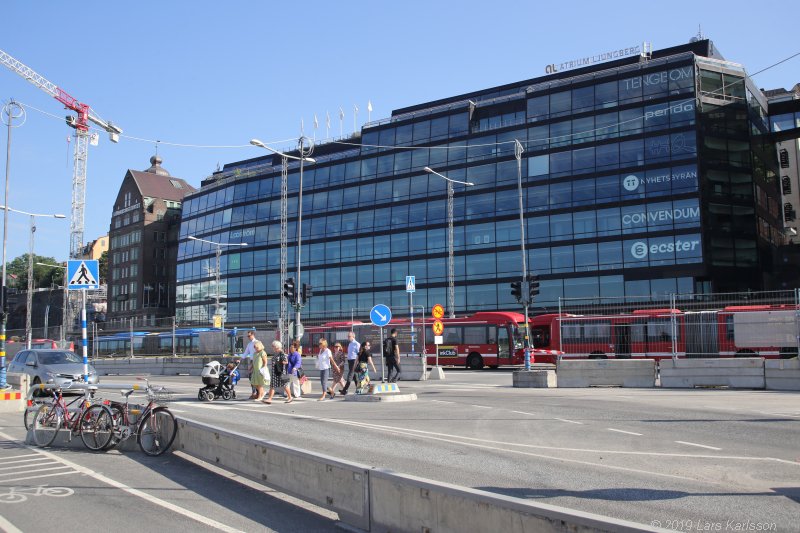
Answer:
(410, 284)
(83, 274)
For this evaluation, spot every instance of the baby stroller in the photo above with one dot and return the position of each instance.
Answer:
(362, 378)
(219, 381)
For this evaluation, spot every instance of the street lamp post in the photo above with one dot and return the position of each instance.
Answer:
(451, 276)
(28, 314)
(303, 157)
(219, 246)
(64, 303)
(525, 286)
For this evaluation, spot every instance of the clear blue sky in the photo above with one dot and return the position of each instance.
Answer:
(221, 73)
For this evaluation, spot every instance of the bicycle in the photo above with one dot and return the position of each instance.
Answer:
(92, 421)
(37, 397)
(155, 426)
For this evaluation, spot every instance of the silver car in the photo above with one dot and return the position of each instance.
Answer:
(51, 367)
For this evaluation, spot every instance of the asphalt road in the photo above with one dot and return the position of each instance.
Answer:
(685, 459)
(77, 490)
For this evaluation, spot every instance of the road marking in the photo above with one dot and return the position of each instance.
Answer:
(34, 471)
(7, 526)
(441, 401)
(3, 459)
(698, 445)
(481, 406)
(37, 477)
(523, 413)
(28, 465)
(626, 432)
(135, 492)
(570, 421)
(21, 461)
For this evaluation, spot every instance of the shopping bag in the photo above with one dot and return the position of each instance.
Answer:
(306, 387)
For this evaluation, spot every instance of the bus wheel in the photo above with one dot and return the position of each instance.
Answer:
(746, 353)
(597, 355)
(788, 353)
(474, 361)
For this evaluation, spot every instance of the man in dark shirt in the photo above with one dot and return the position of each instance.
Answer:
(391, 354)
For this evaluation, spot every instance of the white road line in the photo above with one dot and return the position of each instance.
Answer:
(626, 432)
(46, 462)
(38, 458)
(698, 445)
(3, 459)
(7, 526)
(523, 413)
(441, 401)
(177, 410)
(34, 471)
(135, 492)
(37, 477)
(570, 421)
(481, 406)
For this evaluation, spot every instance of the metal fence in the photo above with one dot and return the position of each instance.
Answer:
(676, 325)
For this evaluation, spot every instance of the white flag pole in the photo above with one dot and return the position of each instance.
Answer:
(355, 117)
(369, 111)
(341, 122)
(327, 124)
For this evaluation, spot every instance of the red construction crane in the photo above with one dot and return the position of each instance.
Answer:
(81, 125)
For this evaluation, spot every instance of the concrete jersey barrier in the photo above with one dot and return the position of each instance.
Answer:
(782, 374)
(740, 372)
(380, 500)
(606, 372)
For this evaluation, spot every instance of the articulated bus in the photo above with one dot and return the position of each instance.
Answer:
(484, 339)
(736, 331)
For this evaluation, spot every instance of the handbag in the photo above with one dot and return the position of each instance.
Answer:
(305, 387)
(300, 374)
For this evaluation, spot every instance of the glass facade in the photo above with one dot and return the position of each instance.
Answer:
(614, 187)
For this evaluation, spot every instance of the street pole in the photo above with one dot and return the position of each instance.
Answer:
(3, 304)
(83, 337)
(29, 303)
(451, 269)
(298, 285)
(216, 280)
(518, 150)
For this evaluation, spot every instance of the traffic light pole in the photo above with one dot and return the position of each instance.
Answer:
(525, 293)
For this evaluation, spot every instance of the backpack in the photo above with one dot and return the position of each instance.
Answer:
(388, 347)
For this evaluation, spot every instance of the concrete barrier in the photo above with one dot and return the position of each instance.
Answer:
(14, 400)
(782, 374)
(401, 502)
(606, 373)
(534, 379)
(740, 372)
(332, 483)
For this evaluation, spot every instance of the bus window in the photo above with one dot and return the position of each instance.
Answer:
(503, 343)
(474, 334)
(452, 335)
(540, 335)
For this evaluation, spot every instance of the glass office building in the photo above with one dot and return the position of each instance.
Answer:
(641, 176)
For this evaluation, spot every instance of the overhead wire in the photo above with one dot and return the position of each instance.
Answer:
(446, 147)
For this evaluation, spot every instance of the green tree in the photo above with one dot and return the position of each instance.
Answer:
(43, 276)
(103, 266)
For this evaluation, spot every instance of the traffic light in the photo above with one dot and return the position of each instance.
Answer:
(516, 290)
(533, 286)
(289, 290)
(307, 293)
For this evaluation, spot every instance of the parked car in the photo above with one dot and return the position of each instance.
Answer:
(51, 367)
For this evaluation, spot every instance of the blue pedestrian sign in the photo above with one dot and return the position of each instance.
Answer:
(410, 284)
(83, 274)
(380, 315)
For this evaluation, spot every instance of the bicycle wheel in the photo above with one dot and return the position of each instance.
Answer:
(27, 417)
(157, 431)
(46, 423)
(97, 427)
(118, 418)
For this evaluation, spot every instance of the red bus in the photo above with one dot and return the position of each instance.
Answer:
(735, 331)
(485, 339)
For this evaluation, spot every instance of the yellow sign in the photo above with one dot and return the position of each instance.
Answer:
(438, 327)
(437, 311)
(217, 321)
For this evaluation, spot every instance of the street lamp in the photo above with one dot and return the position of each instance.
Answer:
(65, 301)
(303, 157)
(219, 246)
(28, 328)
(451, 275)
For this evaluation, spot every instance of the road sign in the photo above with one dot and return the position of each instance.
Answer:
(438, 339)
(437, 311)
(380, 315)
(217, 321)
(410, 284)
(438, 327)
(83, 274)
